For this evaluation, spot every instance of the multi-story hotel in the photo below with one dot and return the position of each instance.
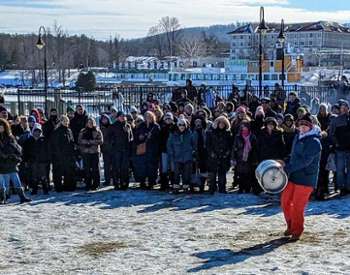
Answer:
(307, 39)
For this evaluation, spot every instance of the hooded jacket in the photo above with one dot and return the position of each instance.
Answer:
(10, 155)
(106, 147)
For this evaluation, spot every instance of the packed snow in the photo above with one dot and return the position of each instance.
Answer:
(149, 232)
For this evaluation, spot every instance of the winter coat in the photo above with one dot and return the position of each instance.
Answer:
(90, 141)
(271, 146)
(288, 136)
(77, 123)
(303, 166)
(120, 136)
(237, 154)
(341, 131)
(165, 132)
(36, 151)
(150, 135)
(324, 121)
(106, 147)
(180, 146)
(10, 155)
(292, 107)
(62, 145)
(48, 128)
(192, 92)
(219, 146)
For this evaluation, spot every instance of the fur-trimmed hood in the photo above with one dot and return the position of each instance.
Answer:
(224, 120)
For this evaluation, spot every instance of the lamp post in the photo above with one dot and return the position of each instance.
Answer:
(262, 31)
(40, 45)
(282, 40)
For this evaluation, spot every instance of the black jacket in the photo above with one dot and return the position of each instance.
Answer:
(10, 155)
(271, 146)
(36, 151)
(120, 137)
(219, 146)
(77, 123)
(62, 144)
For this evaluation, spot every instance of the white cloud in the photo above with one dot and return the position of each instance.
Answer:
(132, 18)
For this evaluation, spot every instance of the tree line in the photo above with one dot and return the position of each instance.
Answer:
(64, 51)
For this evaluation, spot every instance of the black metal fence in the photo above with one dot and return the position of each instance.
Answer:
(22, 101)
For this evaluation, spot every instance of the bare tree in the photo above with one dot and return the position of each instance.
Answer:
(155, 34)
(191, 48)
(170, 26)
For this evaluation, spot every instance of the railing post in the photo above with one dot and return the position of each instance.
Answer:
(19, 102)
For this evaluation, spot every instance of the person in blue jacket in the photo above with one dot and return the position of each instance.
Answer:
(302, 169)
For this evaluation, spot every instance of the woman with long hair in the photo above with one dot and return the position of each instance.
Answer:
(10, 157)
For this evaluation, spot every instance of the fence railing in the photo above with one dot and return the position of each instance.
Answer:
(21, 101)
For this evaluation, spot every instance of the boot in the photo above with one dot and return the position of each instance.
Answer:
(2, 196)
(164, 182)
(22, 196)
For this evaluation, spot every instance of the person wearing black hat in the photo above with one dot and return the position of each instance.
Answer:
(302, 169)
(340, 134)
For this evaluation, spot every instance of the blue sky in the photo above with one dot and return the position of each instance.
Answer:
(133, 18)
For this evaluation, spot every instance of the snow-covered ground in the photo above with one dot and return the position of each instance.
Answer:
(149, 232)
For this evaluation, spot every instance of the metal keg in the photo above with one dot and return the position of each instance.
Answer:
(271, 176)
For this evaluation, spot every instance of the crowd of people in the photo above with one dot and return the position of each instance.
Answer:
(183, 146)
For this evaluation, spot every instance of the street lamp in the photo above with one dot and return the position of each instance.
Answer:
(262, 29)
(41, 45)
(282, 39)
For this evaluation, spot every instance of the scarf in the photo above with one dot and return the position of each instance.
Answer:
(247, 146)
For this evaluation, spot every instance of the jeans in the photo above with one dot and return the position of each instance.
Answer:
(5, 181)
(342, 161)
(91, 170)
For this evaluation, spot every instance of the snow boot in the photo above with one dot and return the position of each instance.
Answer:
(22, 196)
(2, 196)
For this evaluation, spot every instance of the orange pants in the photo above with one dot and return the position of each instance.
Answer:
(293, 201)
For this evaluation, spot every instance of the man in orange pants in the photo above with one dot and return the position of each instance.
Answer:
(302, 170)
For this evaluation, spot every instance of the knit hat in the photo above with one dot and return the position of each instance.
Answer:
(241, 109)
(265, 100)
(168, 116)
(280, 117)
(182, 121)
(271, 120)
(36, 127)
(288, 117)
(306, 120)
(2, 109)
(133, 109)
(31, 119)
(343, 102)
(120, 113)
(259, 111)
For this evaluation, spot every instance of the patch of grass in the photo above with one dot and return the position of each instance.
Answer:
(98, 249)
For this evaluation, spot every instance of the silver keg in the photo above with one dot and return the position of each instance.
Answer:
(271, 176)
